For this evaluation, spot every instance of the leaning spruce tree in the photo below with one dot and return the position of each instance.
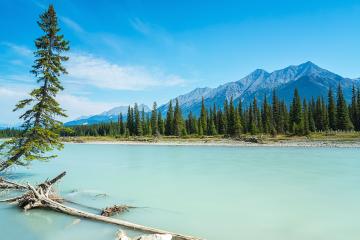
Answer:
(40, 129)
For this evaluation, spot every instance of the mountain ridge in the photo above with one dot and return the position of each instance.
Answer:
(309, 78)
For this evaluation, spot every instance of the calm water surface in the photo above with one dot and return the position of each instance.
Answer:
(212, 192)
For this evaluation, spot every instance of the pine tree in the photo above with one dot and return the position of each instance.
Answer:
(256, 118)
(331, 110)
(212, 129)
(240, 112)
(276, 112)
(40, 129)
(121, 124)
(203, 116)
(221, 122)
(169, 120)
(306, 118)
(130, 121)
(251, 120)
(178, 120)
(342, 114)
(154, 121)
(138, 125)
(160, 124)
(237, 125)
(266, 116)
(312, 126)
(325, 115)
(192, 123)
(296, 114)
(231, 118)
(354, 108)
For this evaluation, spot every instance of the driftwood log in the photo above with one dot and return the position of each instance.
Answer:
(121, 235)
(44, 196)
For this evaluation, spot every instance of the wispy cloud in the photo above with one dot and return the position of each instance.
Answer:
(152, 31)
(77, 106)
(6, 92)
(16, 79)
(98, 72)
(19, 49)
(72, 24)
(140, 26)
(39, 4)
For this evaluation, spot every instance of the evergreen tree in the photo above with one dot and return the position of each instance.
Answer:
(221, 122)
(212, 129)
(354, 108)
(342, 114)
(276, 112)
(225, 114)
(296, 113)
(240, 112)
(169, 120)
(312, 126)
(178, 120)
(130, 121)
(231, 118)
(192, 124)
(160, 124)
(121, 124)
(325, 115)
(256, 118)
(306, 118)
(266, 116)
(203, 117)
(40, 129)
(237, 125)
(154, 121)
(331, 110)
(138, 125)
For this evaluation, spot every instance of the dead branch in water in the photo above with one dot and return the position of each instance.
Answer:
(116, 209)
(44, 196)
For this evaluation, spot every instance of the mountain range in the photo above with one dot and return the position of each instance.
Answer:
(310, 79)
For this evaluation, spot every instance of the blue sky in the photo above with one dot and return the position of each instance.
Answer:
(143, 51)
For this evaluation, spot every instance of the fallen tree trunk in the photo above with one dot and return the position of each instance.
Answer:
(44, 196)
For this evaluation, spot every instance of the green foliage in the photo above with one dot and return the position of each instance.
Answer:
(154, 121)
(178, 121)
(169, 122)
(203, 117)
(342, 113)
(40, 129)
(331, 110)
(230, 120)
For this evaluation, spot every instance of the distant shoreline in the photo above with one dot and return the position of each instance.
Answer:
(329, 140)
(225, 142)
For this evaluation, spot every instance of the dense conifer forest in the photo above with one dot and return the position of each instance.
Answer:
(273, 116)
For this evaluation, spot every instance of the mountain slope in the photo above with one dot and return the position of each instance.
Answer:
(310, 79)
(107, 116)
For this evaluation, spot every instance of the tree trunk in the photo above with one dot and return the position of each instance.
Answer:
(44, 196)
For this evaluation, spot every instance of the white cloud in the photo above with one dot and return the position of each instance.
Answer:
(72, 24)
(9, 96)
(21, 50)
(140, 26)
(90, 70)
(76, 106)
(11, 92)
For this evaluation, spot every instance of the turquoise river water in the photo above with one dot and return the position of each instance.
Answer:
(232, 193)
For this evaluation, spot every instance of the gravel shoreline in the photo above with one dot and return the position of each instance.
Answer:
(231, 143)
